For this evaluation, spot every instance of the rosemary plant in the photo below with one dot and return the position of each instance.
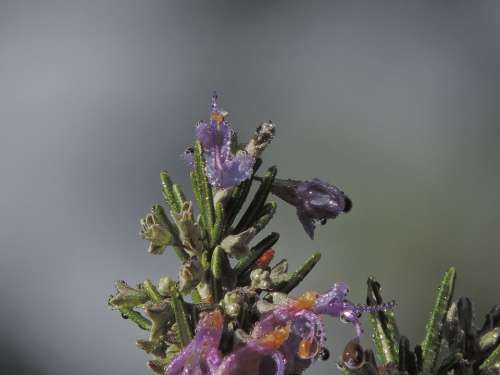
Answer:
(229, 312)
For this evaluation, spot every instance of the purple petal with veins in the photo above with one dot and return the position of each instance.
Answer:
(201, 356)
(228, 172)
(223, 168)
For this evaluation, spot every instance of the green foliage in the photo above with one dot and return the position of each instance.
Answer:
(385, 331)
(432, 341)
(221, 269)
(204, 247)
(297, 276)
(452, 344)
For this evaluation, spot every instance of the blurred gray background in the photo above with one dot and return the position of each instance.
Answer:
(396, 102)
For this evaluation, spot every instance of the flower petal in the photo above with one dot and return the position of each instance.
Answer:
(237, 169)
(253, 359)
(227, 172)
(306, 222)
(215, 139)
(202, 352)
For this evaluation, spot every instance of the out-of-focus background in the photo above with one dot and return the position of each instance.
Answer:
(395, 102)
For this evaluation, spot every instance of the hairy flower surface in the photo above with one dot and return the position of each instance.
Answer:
(258, 356)
(315, 200)
(307, 334)
(224, 168)
(335, 304)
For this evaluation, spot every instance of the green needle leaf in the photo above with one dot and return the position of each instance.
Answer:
(258, 201)
(181, 318)
(432, 341)
(137, 318)
(168, 192)
(217, 229)
(197, 195)
(238, 196)
(204, 185)
(493, 360)
(267, 214)
(220, 264)
(300, 274)
(384, 327)
(220, 268)
(256, 251)
(179, 195)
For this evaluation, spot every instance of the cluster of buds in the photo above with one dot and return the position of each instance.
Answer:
(231, 310)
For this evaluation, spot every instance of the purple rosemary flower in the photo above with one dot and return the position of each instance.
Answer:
(224, 168)
(306, 339)
(335, 304)
(306, 336)
(258, 356)
(201, 356)
(315, 200)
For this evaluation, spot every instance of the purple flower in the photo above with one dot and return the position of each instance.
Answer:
(258, 356)
(201, 356)
(224, 168)
(306, 338)
(334, 303)
(315, 201)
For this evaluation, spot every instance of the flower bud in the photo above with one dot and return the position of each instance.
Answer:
(155, 230)
(232, 303)
(262, 137)
(189, 231)
(127, 297)
(236, 245)
(190, 275)
(260, 279)
(166, 286)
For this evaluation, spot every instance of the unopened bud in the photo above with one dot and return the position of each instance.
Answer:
(236, 245)
(127, 297)
(167, 287)
(190, 275)
(155, 230)
(262, 137)
(260, 279)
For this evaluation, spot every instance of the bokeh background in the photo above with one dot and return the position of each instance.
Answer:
(396, 102)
